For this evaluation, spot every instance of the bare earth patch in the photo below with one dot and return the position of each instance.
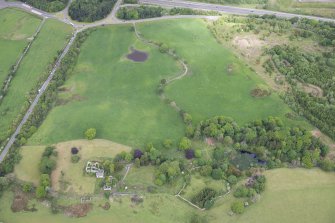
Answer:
(78, 210)
(313, 90)
(250, 45)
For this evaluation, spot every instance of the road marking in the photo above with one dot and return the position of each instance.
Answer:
(36, 12)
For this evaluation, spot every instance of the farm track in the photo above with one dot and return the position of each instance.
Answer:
(111, 19)
(174, 56)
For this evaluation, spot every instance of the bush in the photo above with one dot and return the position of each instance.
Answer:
(232, 179)
(27, 187)
(185, 143)
(75, 158)
(189, 153)
(90, 133)
(237, 207)
(205, 198)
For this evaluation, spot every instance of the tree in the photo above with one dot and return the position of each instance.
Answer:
(217, 174)
(90, 133)
(40, 192)
(185, 143)
(232, 179)
(237, 207)
(167, 143)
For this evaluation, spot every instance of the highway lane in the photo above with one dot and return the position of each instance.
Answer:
(226, 9)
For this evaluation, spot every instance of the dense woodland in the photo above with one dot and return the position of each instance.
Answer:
(48, 5)
(90, 11)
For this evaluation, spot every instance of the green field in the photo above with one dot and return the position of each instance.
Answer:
(33, 69)
(113, 94)
(291, 195)
(118, 97)
(211, 89)
(16, 27)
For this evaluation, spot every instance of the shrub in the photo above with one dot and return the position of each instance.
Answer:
(232, 179)
(27, 187)
(75, 158)
(90, 133)
(74, 150)
(185, 143)
(205, 198)
(189, 153)
(137, 154)
(237, 207)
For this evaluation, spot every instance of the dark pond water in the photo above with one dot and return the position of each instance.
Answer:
(137, 56)
(254, 156)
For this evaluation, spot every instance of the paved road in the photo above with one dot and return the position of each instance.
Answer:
(37, 98)
(226, 9)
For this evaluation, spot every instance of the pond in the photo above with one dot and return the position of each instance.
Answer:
(245, 159)
(137, 56)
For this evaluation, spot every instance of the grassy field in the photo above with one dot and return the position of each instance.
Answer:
(325, 9)
(212, 89)
(114, 95)
(72, 177)
(291, 195)
(27, 169)
(33, 68)
(16, 27)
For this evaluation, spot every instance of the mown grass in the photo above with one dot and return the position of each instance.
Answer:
(33, 69)
(291, 195)
(114, 95)
(211, 89)
(28, 167)
(16, 27)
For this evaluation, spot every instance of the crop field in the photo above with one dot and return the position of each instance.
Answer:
(113, 94)
(16, 27)
(219, 83)
(299, 193)
(33, 70)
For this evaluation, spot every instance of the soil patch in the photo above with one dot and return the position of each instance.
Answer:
(78, 210)
(260, 92)
(315, 91)
(250, 45)
(137, 56)
(20, 202)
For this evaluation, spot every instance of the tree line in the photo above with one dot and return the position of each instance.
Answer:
(48, 5)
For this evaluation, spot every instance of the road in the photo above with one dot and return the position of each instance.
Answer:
(111, 19)
(226, 9)
(37, 98)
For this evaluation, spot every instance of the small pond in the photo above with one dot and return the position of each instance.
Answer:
(245, 159)
(137, 56)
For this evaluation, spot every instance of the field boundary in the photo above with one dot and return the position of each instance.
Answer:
(16, 66)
